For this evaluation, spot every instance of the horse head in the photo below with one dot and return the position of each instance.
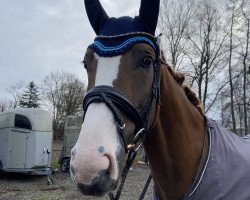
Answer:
(123, 88)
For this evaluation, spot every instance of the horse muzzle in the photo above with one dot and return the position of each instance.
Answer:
(99, 186)
(98, 180)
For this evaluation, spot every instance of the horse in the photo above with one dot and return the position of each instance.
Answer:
(133, 95)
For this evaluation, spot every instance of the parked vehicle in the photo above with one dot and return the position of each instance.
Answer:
(26, 141)
(72, 130)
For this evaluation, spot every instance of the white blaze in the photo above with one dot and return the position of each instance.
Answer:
(107, 70)
(98, 129)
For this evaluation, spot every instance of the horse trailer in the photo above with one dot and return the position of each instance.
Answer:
(72, 128)
(26, 141)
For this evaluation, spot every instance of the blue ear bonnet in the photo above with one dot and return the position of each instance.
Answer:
(118, 35)
(119, 45)
(122, 25)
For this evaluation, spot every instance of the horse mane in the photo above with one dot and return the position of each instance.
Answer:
(180, 78)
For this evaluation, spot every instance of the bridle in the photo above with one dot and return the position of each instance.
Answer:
(117, 102)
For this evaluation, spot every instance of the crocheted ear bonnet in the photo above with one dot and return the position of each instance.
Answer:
(115, 36)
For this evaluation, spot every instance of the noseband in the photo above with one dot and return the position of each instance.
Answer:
(117, 102)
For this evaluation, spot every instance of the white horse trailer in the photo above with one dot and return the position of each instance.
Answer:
(72, 128)
(26, 141)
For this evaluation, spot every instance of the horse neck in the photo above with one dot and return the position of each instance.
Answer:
(175, 143)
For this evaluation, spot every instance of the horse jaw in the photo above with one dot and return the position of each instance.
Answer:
(96, 156)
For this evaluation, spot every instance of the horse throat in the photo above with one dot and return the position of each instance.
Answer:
(175, 144)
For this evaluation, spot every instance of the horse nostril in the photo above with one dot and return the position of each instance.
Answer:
(101, 149)
(112, 168)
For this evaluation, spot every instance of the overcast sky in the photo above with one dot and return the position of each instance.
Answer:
(38, 37)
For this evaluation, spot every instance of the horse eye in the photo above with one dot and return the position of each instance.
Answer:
(147, 61)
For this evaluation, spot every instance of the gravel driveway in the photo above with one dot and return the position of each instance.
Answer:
(23, 187)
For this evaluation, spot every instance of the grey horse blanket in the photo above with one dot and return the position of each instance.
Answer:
(226, 173)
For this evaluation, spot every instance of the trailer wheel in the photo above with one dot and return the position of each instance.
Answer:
(65, 165)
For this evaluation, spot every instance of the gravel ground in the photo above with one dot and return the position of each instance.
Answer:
(22, 187)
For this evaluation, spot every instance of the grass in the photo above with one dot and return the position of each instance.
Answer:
(55, 164)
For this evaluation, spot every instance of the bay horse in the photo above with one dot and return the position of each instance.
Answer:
(133, 93)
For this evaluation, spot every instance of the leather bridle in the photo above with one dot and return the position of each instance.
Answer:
(117, 102)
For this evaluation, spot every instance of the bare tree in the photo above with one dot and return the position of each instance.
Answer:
(245, 4)
(233, 10)
(14, 90)
(237, 91)
(62, 94)
(3, 105)
(206, 51)
(209, 40)
(173, 23)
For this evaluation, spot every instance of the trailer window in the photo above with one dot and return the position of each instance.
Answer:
(22, 121)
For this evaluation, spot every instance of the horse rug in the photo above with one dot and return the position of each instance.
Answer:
(226, 172)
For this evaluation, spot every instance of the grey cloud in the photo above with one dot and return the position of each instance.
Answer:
(38, 37)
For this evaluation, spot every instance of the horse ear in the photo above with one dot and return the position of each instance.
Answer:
(96, 14)
(149, 12)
